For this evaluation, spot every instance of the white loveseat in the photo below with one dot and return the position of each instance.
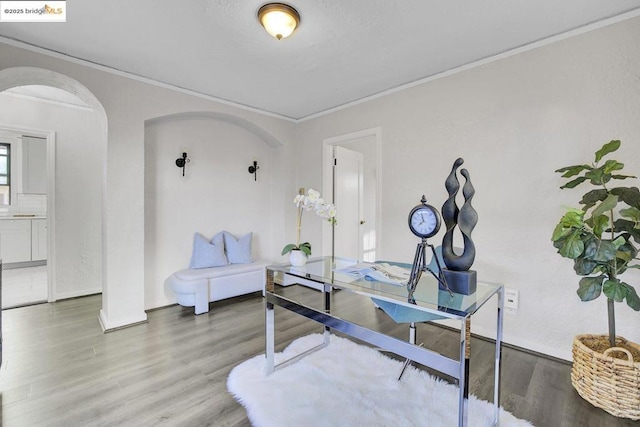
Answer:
(197, 287)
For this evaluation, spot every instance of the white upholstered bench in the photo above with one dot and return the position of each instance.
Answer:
(197, 287)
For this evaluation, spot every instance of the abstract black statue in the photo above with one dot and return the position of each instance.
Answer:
(466, 218)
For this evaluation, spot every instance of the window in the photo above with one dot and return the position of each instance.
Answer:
(5, 174)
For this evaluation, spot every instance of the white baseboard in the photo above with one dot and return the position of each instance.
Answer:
(108, 326)
(75, 294)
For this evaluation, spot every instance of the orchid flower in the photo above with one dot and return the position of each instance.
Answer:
(311, 201)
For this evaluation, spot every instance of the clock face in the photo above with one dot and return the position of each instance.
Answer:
(424, 221)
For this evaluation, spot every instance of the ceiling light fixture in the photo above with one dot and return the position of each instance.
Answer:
(279, 19)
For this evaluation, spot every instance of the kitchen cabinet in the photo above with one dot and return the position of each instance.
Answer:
(38, 239)
(15, 240)
(23, 240)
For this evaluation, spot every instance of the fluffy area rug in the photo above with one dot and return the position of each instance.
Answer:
(347, 384)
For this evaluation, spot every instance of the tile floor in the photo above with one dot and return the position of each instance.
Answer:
(24, 286)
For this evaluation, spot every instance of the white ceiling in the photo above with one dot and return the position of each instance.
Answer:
(343, 51)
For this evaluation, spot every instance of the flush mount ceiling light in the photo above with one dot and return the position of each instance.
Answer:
(279, 19)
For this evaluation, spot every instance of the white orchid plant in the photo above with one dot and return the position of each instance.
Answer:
(309, 202)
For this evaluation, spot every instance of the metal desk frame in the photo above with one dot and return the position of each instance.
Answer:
(458, 369)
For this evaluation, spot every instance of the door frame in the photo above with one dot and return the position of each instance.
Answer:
(327, 180)
(50, 136)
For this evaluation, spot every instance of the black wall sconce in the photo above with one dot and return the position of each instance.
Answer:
(181, 162)
(254, 170)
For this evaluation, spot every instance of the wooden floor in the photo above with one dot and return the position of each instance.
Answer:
(59, 369)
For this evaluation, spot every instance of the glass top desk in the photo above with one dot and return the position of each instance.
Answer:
(430, 304)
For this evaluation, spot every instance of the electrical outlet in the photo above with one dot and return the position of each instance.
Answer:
(511, 300)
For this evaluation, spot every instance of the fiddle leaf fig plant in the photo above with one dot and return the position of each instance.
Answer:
(601, 236)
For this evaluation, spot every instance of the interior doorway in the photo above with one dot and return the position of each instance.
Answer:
(352, 181)
(75, 216)
(24, 223)
(56, 185)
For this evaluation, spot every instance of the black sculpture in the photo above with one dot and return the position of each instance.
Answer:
(467, 218)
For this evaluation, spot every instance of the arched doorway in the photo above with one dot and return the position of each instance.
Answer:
(29, 76)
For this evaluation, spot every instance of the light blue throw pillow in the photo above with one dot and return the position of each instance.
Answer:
(208, 254)
(238, 250)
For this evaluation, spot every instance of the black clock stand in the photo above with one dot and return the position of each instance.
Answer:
(420, 265)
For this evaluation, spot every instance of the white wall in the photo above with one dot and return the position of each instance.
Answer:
(78, 191)
(217, 193)
(514, 121)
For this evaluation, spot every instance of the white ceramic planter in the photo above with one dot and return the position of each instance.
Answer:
(297, 258)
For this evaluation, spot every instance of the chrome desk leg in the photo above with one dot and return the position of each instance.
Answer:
(412, 333)
(270, 333)
(269, 337)
(463, 382)
(327, 309)
(412, 340)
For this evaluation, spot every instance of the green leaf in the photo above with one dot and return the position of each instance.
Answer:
(619, 241)
(593, 196)
(558, 232)
(632, 297)
(306, 248)
(606, 251)
(574, 167)
(288, 248)
(629, 248)
(601, 251)
(623, 225)
(629, 195)
(613, 289)
(573, 219)
(632, 213)
(558, 244)
(606, 205)
(599, 224)
(607, 148)
(573, 246)
(624, 255)
(583, 266)
(597, 176)
(590, 288)
(590, 199)
(574, 183)
(573, 170)
(612, 165)
(622, 176)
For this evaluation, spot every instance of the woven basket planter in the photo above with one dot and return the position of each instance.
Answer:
(606, 382)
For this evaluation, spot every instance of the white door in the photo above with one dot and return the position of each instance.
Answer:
(348, 197)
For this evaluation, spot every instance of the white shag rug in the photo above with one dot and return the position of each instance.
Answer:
(346, 384)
